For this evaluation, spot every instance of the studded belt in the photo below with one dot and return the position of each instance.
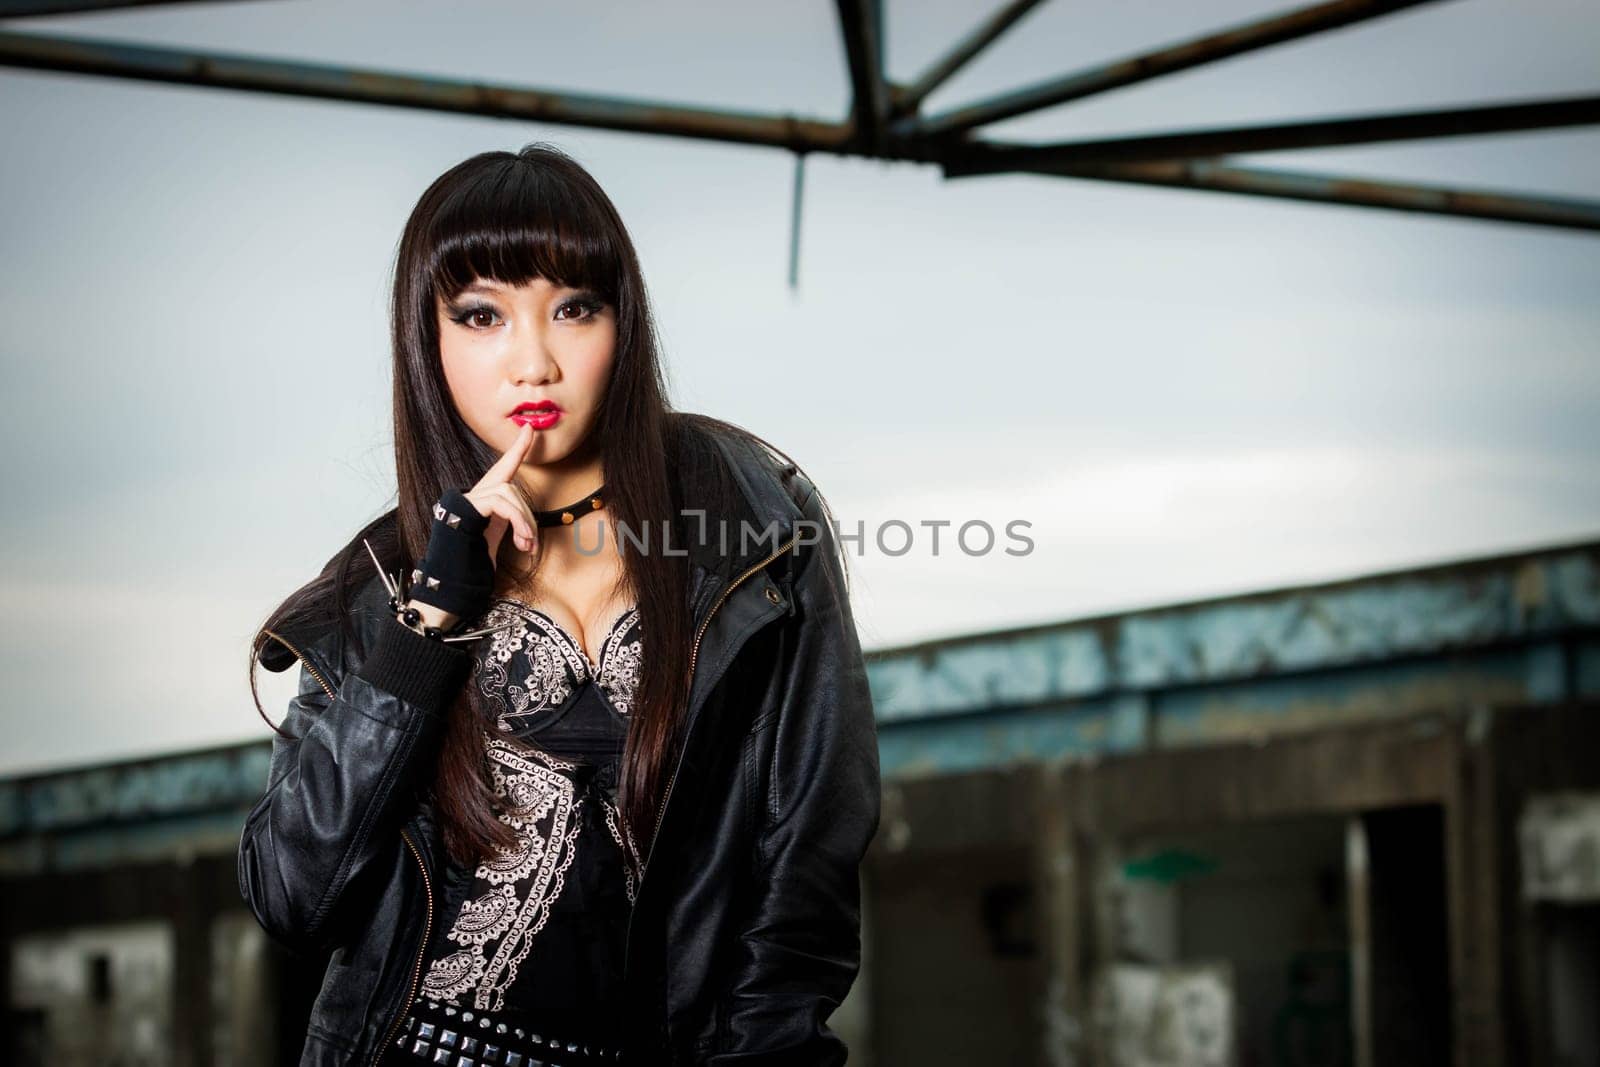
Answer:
(453, 1037)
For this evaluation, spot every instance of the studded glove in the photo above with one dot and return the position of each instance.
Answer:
(456, 573)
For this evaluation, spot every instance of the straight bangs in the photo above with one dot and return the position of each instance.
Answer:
(519, 224)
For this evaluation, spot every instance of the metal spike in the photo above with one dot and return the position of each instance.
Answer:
(472, 635)
(387, 584)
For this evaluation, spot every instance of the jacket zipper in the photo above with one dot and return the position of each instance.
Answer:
(304, 662)
(693, 654)
(422, 948)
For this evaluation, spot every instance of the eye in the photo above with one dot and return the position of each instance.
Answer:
(587, 303)
(469, 316)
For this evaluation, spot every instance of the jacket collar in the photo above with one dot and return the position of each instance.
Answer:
(734, 507)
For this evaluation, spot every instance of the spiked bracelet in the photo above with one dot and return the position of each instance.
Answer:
(402, 593)
(411, 617)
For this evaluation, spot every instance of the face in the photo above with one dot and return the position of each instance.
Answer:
(509, 346)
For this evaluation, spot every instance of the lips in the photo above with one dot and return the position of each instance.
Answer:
(540, 414)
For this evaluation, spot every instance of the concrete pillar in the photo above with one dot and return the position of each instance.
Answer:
(1058, 894)
(192, 909)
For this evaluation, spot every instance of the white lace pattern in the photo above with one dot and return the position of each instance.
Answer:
(496, 931)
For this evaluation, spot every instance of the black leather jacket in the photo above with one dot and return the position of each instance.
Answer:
(745, 932)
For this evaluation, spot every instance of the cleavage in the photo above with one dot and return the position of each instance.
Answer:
(566, 634)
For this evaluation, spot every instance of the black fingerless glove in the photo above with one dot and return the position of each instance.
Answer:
(456, 573)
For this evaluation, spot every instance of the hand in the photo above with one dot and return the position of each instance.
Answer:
(497, 496)
(457, 569)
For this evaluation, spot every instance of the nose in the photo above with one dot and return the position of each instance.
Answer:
(532, 362)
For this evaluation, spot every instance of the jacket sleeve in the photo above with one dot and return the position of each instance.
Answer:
(339, 785)
(799, 946)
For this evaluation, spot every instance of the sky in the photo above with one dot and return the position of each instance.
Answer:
(1185, 394)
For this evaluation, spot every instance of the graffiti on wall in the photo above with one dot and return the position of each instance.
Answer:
(1167, 1016)
(1560, 839)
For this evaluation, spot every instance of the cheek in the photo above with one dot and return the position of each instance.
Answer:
(463, 378)
(597, 367)
(597, 374)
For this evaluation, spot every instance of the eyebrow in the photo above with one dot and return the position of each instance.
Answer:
(493, 289)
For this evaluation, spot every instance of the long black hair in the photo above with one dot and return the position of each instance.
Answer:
(512, 217)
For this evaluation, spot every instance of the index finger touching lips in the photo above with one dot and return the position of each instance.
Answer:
(508, 463)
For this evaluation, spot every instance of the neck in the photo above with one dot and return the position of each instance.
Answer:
(555, 485)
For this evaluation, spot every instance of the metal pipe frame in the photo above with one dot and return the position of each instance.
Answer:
(1214, 176)
(990, 156)
(1198, 52)
(883, 120)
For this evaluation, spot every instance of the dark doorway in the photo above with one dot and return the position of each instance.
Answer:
(1571, 936)
(1408, 938)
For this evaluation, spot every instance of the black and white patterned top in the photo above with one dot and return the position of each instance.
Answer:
(534, 937)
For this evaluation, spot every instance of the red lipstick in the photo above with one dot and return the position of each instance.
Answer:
(540, 414)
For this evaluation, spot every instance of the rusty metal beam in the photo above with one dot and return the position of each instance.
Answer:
(958, 157)
(1218, 177)
(1194, 53)
(11, 9)
(368, 86)
(989, 157)
(861, 24)
(907, 99)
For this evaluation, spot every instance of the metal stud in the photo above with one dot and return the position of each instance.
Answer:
(454, 521)
(432, 583)
(438, 511)
(566, 517)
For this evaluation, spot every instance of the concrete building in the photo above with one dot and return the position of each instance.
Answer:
(1350, 823)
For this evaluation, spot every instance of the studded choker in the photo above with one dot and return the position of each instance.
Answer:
(571, 513)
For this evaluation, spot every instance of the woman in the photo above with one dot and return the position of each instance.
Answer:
(582, 764)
